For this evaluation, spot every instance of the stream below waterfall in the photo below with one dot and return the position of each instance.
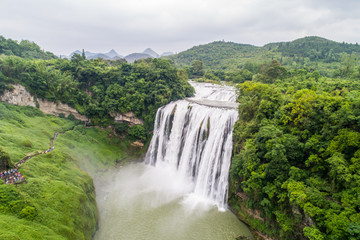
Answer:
(180, 191)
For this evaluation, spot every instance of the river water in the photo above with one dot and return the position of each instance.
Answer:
(180, 191)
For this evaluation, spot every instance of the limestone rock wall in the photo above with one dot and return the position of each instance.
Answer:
(21, 97)
(18, 96)
(127, 117)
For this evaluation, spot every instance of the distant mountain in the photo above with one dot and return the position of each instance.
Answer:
(166, 54)
(150, 52)
(75, 52)
(88, 54)
(111, 55)
(136, 56)
(99, 55)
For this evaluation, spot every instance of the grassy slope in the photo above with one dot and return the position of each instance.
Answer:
(58, 201)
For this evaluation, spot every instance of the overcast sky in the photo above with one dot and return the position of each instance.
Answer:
(62, 26)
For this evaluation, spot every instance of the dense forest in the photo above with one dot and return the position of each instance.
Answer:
(99, 88)
(296, 154)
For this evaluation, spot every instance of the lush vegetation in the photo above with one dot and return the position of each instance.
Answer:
(295, 170)
(297, 154)
(58, 201)
(315, 48)
(227, 61)
(99, 88)
(24, 49)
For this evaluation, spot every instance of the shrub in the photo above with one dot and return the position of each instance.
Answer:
(137, 132)
(27, 143)
(71, 117)
(28, 213)
(121, 128)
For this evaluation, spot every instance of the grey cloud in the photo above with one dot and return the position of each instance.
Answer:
(169, 25)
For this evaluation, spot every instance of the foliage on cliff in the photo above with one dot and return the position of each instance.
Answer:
(99, 88)
(297, 155)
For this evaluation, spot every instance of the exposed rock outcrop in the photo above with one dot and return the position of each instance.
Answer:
(18, 96)
(127, 117)
(21, 97)
(137, 144)
(55, 109)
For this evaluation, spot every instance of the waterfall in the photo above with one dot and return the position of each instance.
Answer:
(194, 137)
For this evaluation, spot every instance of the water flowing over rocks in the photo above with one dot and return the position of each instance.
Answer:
(195, 138)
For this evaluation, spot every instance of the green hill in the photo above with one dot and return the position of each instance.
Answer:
(314, 48)
(308, 52)
(216, 54)
(58, 199)
(24, 49)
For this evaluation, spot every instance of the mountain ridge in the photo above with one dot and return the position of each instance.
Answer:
(112, 55)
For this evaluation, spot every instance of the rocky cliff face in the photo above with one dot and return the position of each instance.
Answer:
(18, 96)
(127, 117)
(21, 97)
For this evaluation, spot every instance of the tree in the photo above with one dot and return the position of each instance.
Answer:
(83, 54)
(137, 132)
(197, 68)
(272, 71)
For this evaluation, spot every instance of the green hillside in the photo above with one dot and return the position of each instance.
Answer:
(221, 59)
(216, 54)
(24, 48)
(58, 199)
(314, 48)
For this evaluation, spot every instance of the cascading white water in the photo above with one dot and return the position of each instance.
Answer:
(194, 138)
